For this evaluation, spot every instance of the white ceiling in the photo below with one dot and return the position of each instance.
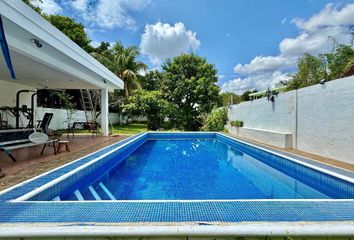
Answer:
(38, 75)
(59, 63)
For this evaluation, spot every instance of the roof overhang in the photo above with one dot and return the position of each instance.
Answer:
(59, 63)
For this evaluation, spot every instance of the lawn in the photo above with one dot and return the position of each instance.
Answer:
(131, 128)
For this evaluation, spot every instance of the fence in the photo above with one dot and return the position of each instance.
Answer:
(320, 118)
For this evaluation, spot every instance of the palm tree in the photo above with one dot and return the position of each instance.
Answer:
(122, 62)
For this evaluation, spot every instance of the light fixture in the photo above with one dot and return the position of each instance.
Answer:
(270, 94)
(37, 42)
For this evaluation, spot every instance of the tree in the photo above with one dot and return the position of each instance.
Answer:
(216, 120)
(246, 95)
(37, 9)
(68, 104)
(228, 97)
(311, 70)
(339, 61)
(149, 104)
(189, 83)
(122, 62)
(103, 48)
(69, 26)
(74, 30)
(151, 81)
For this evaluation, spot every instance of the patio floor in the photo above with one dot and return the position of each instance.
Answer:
(30, 163)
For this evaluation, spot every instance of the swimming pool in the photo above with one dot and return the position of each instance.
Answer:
(183, 177)
(197, 168)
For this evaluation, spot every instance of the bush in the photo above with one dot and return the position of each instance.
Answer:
(148, 104)
(216, 120)
(237, 123)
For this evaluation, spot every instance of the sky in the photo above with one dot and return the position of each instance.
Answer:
(253, 43)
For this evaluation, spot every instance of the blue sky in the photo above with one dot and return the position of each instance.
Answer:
(252, 43)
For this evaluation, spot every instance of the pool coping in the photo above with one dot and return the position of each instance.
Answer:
(192, 229)
(171, 229)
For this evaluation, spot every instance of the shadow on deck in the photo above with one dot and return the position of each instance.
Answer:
(30, 163)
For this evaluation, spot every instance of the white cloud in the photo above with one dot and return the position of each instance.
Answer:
(329, 16)
(259, 82)
(109, 14)
(314, 33)
(161, 41)
(47, 6)
(264, 64)
(313, 38)
(79, 5)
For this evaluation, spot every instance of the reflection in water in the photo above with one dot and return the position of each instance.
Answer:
(273, 183)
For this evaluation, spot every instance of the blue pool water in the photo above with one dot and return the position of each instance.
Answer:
(192, 169)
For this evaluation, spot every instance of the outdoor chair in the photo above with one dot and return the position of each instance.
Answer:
(12, 139)
(44, 123)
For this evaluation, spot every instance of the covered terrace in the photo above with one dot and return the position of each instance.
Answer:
(43, 57)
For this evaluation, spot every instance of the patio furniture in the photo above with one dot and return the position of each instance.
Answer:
(3, 122)
(92, 127)
(44, 123)
(18, 138)
(8, 148)
(11, 139)
(62, 144)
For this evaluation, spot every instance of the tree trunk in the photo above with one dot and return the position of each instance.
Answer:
(126, 91)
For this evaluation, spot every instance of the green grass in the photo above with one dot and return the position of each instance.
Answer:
(132, 128)
(129, 129)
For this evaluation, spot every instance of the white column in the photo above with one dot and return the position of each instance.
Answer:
(104, 112)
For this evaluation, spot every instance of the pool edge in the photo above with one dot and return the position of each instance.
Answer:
(192, 229)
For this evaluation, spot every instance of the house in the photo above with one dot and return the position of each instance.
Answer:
(43, 57)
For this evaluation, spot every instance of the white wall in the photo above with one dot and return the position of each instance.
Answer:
(60, 117)
(273, 116)
(8, 92)
(320, 117)
(326, 119)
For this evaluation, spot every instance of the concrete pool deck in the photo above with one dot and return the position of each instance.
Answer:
(31, 164)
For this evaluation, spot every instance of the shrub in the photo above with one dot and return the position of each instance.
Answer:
(216, 120)
(237, 123)
(148, 104)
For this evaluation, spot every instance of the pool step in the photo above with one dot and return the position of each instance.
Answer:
(105, 189)
(94, 193)
(79, 195)
(57, 198)
(97, 193)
